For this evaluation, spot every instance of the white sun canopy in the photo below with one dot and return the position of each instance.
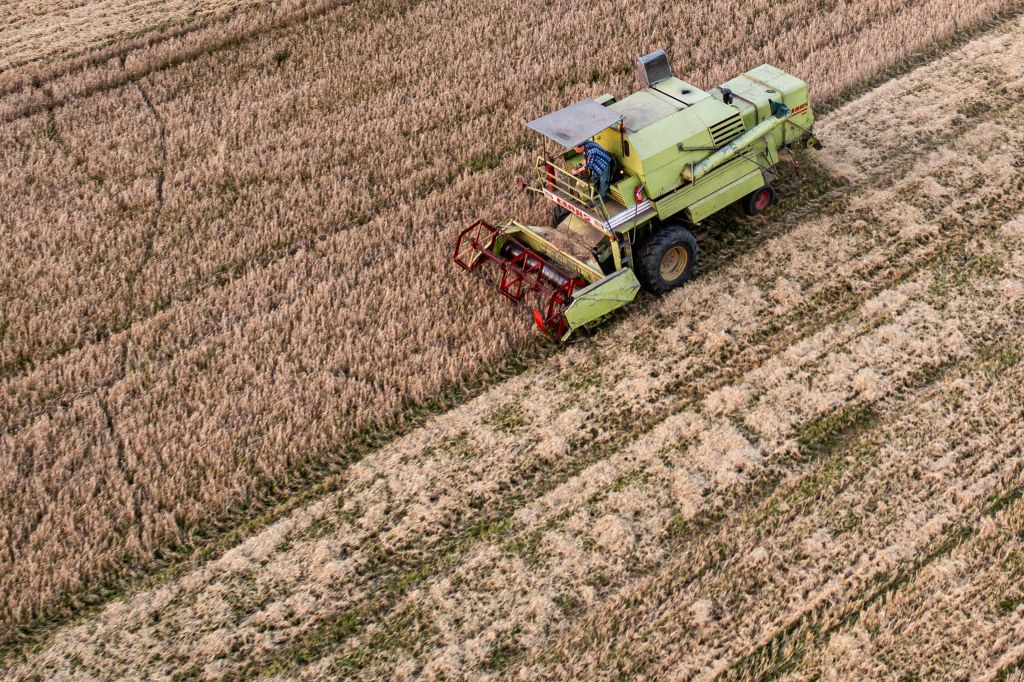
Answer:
(575, 123)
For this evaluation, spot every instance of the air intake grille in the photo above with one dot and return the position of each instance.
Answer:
(724, 132)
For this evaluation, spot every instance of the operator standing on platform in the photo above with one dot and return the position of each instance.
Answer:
(598, 162)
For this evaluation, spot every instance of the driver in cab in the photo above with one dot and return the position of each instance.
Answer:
(598, 162)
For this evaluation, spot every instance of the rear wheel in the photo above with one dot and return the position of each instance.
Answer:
(759, 200)
(666, 259)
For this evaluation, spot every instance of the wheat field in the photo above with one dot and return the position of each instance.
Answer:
(822, 480)
(226, 258)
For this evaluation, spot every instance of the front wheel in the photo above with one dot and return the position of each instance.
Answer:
(666, 259)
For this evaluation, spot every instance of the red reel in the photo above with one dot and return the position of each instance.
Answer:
(553, 322)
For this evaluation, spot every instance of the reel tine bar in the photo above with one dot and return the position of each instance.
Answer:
(522, 272)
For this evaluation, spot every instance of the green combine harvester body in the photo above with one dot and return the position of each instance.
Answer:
(679, 154)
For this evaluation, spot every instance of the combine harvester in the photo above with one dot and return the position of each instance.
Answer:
(679, 154)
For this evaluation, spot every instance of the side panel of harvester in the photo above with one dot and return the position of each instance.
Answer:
(694, 125)
(754, 91)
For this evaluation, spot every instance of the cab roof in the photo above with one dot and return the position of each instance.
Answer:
(576, 123)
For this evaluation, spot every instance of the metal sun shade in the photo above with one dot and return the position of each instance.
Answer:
(575, 123)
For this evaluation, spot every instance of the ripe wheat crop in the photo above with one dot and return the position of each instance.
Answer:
(226, 253)
(774, 469)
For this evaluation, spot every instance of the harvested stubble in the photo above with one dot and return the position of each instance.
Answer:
(807, 457)
(214, 263)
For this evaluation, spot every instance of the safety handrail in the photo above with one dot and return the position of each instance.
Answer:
(555, 177)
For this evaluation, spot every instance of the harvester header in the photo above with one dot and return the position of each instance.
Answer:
(625, 180)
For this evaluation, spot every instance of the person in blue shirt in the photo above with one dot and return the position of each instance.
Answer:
(598, 162)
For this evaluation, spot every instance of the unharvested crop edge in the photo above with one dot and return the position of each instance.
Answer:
(958, 39)
(836, 431)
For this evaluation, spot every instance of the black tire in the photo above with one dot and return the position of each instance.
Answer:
(759, 200)
(558, 214)
(658, 275)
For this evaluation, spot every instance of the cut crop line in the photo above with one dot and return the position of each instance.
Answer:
(809, 621)
(1008, 671)
(741, 502)
(805, 631)
(814, 451)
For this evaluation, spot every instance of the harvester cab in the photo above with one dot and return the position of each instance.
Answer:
(679, 154)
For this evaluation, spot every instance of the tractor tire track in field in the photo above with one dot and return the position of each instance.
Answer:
(19, 77)
(122, 462)
(53, 132)
(154, 229)
(210, 38)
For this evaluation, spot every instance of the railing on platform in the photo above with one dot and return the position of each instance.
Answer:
(556, 178)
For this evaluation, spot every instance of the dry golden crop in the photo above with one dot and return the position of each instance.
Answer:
(827, 447)
(225, 253)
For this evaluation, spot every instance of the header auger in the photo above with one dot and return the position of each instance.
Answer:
(678, 154)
